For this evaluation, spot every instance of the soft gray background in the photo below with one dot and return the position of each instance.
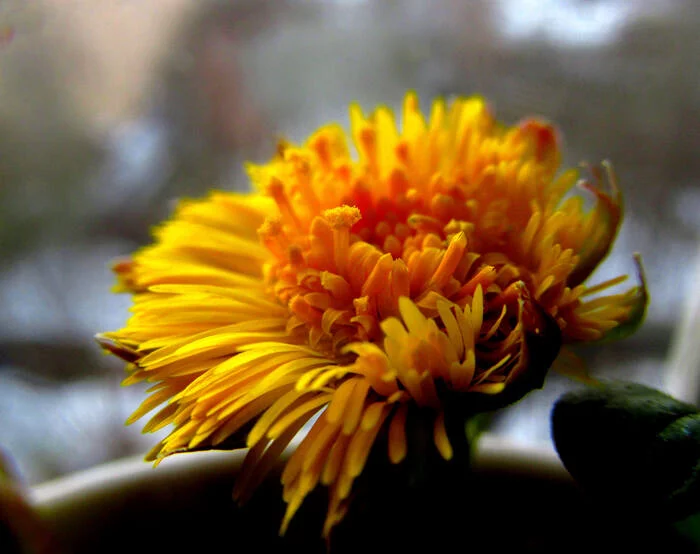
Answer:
(110, 109)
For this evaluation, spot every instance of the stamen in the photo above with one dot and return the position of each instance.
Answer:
(484, 277)
(320, 144)
(425, 224)
(378, 279)
(368, 144)
(282, 146)
(398, 184)
(304, 311)
(275, 188)
(402, 152)
(295, 255)
(303, 180)
(400, 285)
(337, 286)
(382, 230)
(450, 261)
(443, 207)
(341, 220)
(272, 234)
(393, 246)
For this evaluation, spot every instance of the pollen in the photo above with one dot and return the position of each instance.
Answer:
(342, 217)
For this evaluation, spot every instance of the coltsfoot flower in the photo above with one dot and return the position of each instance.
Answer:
(447, 257)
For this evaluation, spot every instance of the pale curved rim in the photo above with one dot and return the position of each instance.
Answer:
(494, 453)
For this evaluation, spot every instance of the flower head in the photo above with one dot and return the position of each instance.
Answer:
(446, 258)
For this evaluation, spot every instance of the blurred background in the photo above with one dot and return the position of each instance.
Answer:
(112, 109)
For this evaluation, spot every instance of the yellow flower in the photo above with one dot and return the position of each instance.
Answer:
(447, 257)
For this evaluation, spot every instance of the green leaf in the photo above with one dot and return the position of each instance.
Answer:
(632, 447)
